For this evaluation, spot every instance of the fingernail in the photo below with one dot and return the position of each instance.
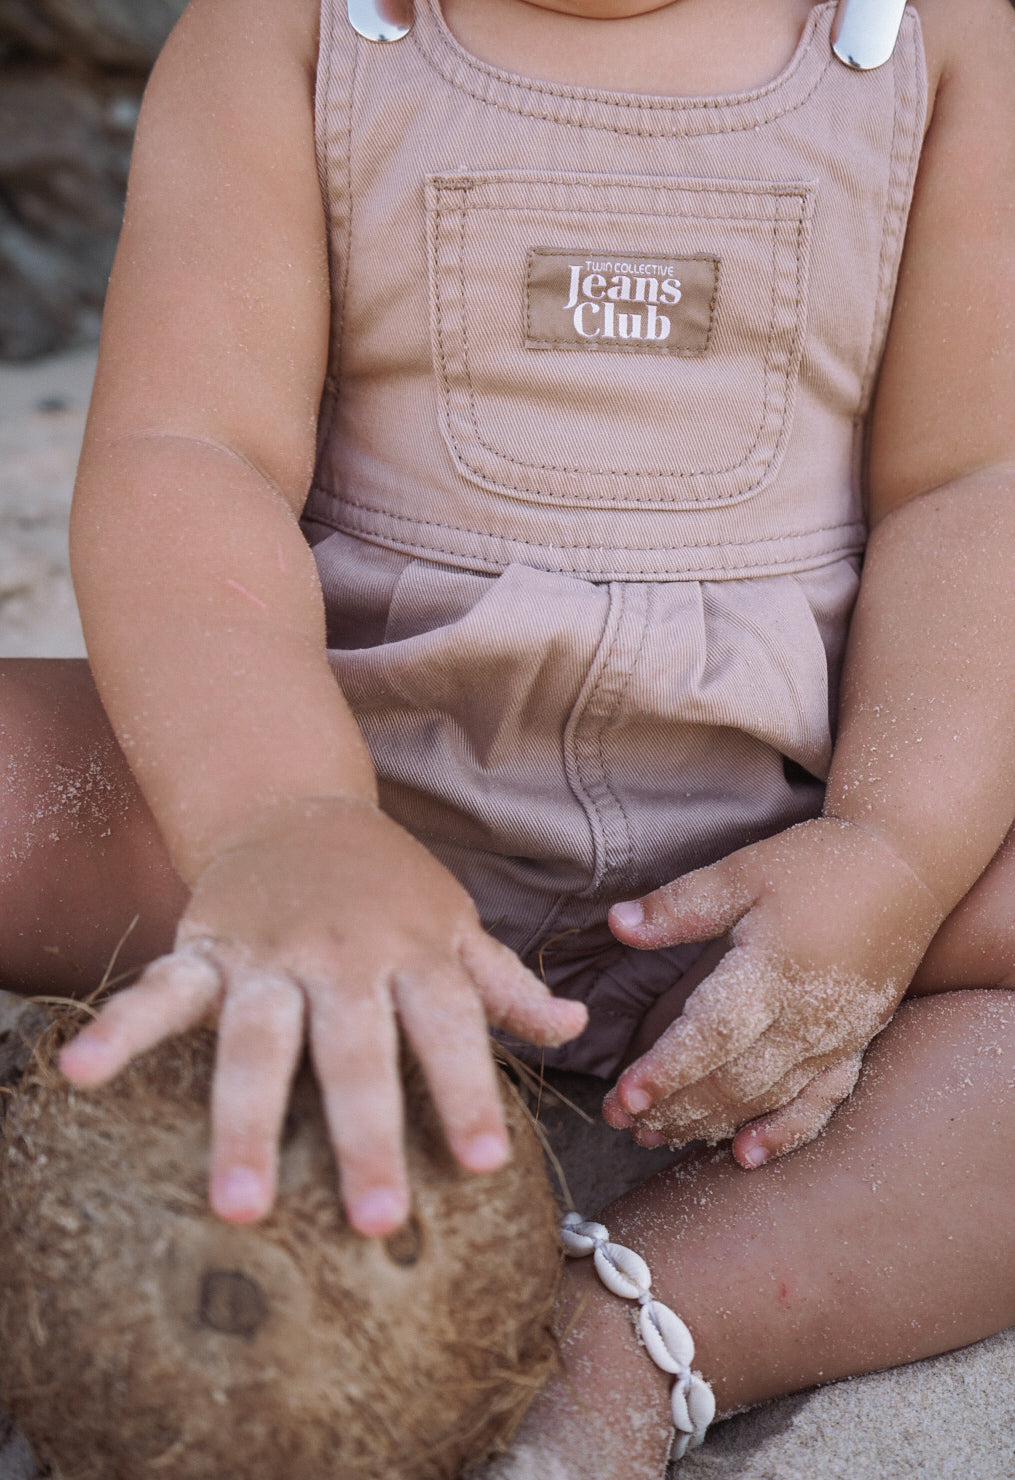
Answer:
(649, 1139)
(379, 1212)
(240, 1193)
(755, 1156)
(614, 1114)
(636, 1101)
(82, 1057)
(629, 914)
(82, 1047)
(485, 1153)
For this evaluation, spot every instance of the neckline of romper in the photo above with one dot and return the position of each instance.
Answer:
(642, 114)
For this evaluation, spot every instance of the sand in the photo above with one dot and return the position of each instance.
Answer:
(42, 417)
(951, 1418)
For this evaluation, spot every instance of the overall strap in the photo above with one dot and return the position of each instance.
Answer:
(336, 72)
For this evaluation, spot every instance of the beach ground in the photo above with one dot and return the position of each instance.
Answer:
(950, 1418)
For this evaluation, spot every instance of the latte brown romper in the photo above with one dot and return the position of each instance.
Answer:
(588, 508)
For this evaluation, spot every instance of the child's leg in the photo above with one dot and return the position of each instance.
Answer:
(887, 1239)
(80, 855)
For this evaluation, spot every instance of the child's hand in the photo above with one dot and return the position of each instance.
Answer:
(827, 927)
(332, 922)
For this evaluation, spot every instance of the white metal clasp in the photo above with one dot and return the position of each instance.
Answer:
(381, 20)
(864, 32)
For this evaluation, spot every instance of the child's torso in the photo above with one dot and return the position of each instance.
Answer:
(634, 338)
(588, 497)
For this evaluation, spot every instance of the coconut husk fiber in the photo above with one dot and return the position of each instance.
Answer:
(141, 1336)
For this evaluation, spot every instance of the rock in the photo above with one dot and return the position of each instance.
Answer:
(111, 33)
(65, 146)
(16, 1460)
(71, 77)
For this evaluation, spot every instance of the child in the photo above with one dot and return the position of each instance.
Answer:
(599, 336)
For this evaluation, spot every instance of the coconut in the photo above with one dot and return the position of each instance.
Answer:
(141, 1336)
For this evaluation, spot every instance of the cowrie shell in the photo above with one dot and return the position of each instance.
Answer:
(623, 1271)
(700, 1406)
(667, 1340)
(678, 1407)
(679, 1447)
(576, 1244)
(597, 1231)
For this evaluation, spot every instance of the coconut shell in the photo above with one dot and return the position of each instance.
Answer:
(141, 1336)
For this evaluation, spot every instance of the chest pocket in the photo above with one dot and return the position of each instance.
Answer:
(615, 342)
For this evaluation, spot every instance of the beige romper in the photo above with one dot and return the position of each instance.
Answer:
(588, 506)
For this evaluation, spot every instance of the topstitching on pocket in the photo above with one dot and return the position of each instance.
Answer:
(615, 342)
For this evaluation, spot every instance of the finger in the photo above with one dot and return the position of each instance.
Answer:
(355, 1053)
(648, 1140)
(723, 1017)
(259, 1043)
(762, 1070)
(702, 905)
(445, 1023)
(174, 994)
(801, 1120)
(515, 1000)
(709, 1111)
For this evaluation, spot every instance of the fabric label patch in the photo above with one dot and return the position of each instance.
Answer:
(584, 300)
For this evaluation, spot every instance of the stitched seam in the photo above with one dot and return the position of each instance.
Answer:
(626, 473)
(888, 232)
(418, 521)
(693, 185)
(449, 64)
(322, 91)
(574, 767)
(327, 51)
(596, 786)
(348, 216)
(899, 194)
(322, 141)
(625, 859)
(442, 364)
(751, 569)
(588, 123)
(348, 213)
(635, 474)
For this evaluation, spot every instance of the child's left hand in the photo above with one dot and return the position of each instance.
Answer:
(828, 925)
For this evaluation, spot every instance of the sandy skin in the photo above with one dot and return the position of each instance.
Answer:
(794, 1275)
(228, 714)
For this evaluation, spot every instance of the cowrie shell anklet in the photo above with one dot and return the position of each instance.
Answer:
(667, 1340)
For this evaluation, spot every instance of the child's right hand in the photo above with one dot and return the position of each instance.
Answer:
(329, 920)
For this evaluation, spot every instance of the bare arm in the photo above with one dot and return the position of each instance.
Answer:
(930, 684)
(830, 920)
(197, 592)
(311, 913)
